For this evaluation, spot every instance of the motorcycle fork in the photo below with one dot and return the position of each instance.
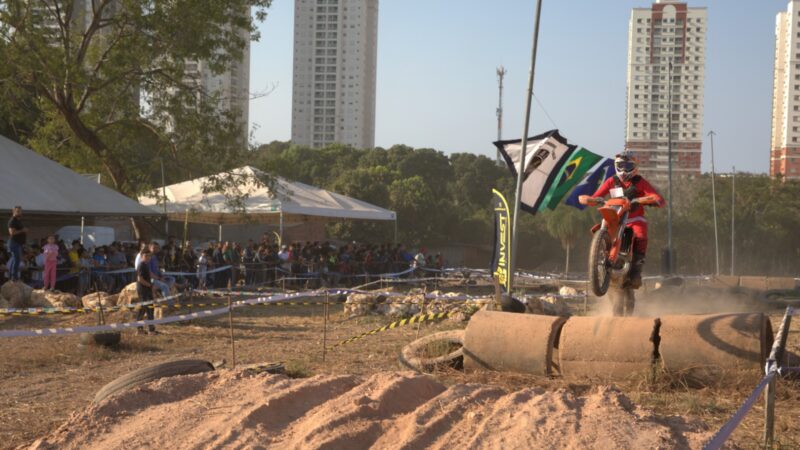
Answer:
(616, 245)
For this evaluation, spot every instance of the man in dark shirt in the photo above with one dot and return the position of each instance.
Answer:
(144, 288)
(18, 234)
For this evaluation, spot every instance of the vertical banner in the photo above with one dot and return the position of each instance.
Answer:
(501, 256)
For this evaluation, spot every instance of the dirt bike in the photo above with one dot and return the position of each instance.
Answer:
(610, 253)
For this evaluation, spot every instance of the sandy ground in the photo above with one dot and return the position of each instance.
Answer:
(47, 381)
(384, 410)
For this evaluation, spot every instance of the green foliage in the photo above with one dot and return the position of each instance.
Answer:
(112, 90)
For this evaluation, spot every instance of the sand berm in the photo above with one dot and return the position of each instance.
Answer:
(236, 410)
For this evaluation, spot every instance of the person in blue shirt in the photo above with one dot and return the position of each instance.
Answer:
(159, 280)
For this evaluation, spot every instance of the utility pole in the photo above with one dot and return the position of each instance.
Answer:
(164, 194)
(501, 73)
(733, 220)
(670, 258)
(521, 168)
(714, 202)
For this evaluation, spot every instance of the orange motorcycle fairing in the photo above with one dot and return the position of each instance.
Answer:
(612, 220)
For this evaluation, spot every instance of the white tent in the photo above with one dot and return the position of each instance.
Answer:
(282, 202)
(42, 186)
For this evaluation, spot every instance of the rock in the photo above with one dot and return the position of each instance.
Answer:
(128, 295)
(40, 299)
(363, 304)
(566, 290)
(17, 294)
(554, 306)
(63, 300)
(97, 299)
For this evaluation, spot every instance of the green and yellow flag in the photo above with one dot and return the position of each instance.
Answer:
(569, 176)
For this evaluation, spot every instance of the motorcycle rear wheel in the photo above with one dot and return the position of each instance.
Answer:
(599, 271)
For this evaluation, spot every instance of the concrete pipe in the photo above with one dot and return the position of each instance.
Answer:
(511, 342)
(705, 348)
(609, 348)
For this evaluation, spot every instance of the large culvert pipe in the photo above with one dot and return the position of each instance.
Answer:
(702, 349)
(608, 348)
(511, 342)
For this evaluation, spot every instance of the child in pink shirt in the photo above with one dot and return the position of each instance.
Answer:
(50, 251)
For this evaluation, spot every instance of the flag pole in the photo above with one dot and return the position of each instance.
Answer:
(714, 204)
(521, 168)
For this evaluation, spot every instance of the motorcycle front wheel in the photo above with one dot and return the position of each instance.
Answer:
(599, 270)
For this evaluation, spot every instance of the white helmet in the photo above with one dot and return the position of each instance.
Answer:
(626, 166)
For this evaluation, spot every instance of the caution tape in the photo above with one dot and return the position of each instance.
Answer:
(722, 435)
(400, 323)
(141, 323)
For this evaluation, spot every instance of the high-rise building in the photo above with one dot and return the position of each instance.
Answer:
(666, 57)
(335, 59)
(785, 151)
(232, 86)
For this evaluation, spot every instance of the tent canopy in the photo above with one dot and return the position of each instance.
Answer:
(285, 200)
(42, 186)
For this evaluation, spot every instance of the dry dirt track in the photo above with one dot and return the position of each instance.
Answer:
(44, 380)
(386, 410)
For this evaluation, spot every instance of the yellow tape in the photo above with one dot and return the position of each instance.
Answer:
(193, 305)
(400, 323)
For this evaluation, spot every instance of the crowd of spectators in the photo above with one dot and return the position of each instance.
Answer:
(109, 268)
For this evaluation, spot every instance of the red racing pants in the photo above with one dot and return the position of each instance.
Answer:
(639, 227)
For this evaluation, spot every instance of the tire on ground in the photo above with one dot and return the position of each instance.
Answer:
(411, 357)
(102, 339)
(147, 374)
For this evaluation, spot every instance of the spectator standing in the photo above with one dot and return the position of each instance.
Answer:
(85, 265)
(157, 277)
(202, 269)
(18, 235)
(50, 252)
(144, 288)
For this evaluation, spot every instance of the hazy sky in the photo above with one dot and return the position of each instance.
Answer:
(437, 85)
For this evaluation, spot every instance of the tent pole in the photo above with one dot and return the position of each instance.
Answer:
(83, 221)
(281, 226)
(220, 234)
(164, 193)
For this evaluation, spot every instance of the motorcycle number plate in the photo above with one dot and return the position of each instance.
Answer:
(617, 192)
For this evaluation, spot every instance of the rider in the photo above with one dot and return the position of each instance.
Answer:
(639, 192)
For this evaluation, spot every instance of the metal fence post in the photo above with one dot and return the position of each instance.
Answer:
(773, 363)
(769, 413)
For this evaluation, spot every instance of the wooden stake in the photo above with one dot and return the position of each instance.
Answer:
(230, 325)
(325, 328)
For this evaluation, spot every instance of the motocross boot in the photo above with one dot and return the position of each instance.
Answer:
(635, 274)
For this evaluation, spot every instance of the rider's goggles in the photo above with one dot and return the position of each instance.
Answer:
(624, 166)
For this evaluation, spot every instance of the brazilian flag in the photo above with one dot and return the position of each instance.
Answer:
(570, 175)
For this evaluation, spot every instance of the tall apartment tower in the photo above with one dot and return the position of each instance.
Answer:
(335, 59)
(667, 32)
(232, 86)
(785, 151)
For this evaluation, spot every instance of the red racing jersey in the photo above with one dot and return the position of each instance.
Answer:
(634, 188)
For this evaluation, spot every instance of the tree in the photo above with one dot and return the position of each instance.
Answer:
(567, 224)
(113, 85)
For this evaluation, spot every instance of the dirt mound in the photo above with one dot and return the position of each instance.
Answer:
(387, 410)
